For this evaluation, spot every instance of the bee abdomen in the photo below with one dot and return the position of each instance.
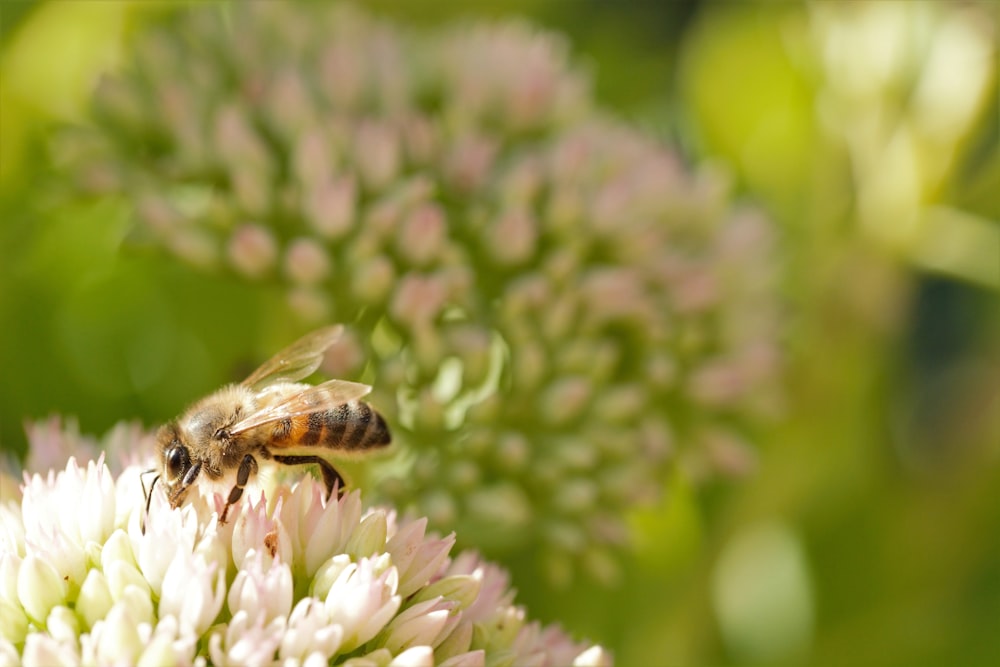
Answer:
(282, 430)
(354, 425)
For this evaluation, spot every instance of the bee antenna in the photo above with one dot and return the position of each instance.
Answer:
(148, 496)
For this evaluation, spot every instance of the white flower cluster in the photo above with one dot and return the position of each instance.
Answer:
(290, 580)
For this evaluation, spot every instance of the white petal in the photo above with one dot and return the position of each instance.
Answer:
(362, 602)
(118, 637)
(403, 546)
(316, 659)
(595, 656)
(310, 632)
(95, 507)
(331, 530)
(249, 643)
(139, 604)
(427, 561)
(41, 650)
(167, 534)
(8, 654)
(121, 575)
(470, 659)
(193, 592)
(255, 530)
(418, 625)
(165, 648)
(262, 589)
(418, 656)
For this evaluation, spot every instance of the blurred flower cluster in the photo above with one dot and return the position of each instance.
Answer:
(290, 580)
(880, 141)
(553, 310)
(903, 86)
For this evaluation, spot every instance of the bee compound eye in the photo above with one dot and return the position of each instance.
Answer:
(177, 461)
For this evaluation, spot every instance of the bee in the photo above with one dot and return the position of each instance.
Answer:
(270, 416)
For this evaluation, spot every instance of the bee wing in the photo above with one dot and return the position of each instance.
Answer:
(297, 360)
(313, 399)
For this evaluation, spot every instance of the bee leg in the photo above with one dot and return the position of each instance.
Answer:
(180, 491)
(247, 467)
(331, 478)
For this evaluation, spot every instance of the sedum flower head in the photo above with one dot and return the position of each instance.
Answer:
(291, 580)
(552, 309)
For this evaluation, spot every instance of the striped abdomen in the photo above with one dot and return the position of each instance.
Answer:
(348, 426)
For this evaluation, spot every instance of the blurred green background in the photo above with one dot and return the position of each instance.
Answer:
(868, 130)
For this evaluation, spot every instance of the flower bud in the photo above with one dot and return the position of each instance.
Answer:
(306, 262)
(512, 237)
(566, 399)
(310, 304)
(193, 245)
(503, 506)
(576, 495)
(94, 601)
(368, 539)
(373, 279)
(469, 161)
(423, 234)
(252, 250)
(330, 206)
(462, 589)
(377, 154)
(602, 566)
(457, 644)
(513, 451)
(10, 563)
(39, 587)
(13, 622)
(327, 575)
(122, 574)
(63, 625)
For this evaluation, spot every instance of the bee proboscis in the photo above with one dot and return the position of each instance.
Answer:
(269, 416)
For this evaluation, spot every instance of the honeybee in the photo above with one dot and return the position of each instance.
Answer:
(270, 416)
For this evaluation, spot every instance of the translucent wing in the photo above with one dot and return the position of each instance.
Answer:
(297, 360)
(312, 399)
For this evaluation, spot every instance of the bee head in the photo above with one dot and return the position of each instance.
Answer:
(175, 465)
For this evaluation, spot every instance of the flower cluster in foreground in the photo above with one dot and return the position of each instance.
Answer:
(291, 580)
(553, 310)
